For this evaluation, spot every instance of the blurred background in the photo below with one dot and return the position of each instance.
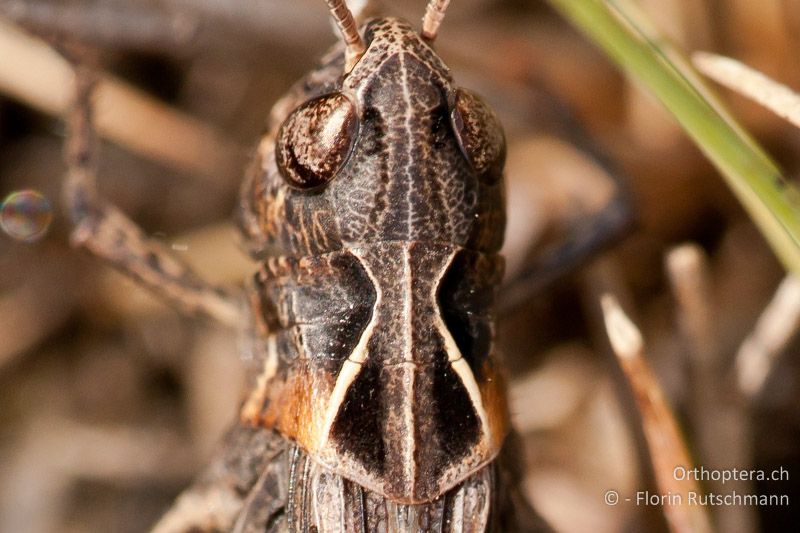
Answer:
(110, 401)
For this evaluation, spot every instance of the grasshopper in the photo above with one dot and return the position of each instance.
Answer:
(375, 207)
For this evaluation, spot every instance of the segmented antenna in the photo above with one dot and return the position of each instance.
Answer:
(434, 15)
(347, 25)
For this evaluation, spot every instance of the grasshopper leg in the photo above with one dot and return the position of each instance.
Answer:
(247, 462)
(586, 238)
(586, 235)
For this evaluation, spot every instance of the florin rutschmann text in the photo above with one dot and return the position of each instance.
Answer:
(712, 499)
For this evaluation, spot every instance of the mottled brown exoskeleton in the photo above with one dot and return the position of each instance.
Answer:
(378, 202)
(380, 206)
(375, 205)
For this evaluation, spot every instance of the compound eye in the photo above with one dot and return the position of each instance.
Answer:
(479, 134)
(315, 141)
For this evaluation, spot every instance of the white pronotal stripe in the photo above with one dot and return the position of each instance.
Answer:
(352, 365)
(464, 372)
(457, 361)
(350, 369)
(408, 303)
(409, 368)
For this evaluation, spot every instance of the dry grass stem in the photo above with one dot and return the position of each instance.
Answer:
(720, 427)
(690, 280)
(664, 440)
(749, 82)
(777, 326)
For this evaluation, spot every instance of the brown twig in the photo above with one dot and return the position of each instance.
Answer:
(211, 251)
(667, 449)
(105, 231)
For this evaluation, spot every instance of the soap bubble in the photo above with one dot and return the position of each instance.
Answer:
(26, 215)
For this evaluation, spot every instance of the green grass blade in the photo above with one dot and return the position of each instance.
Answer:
(772, 202)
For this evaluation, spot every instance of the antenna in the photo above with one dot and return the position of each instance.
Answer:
(347, 25)
(434, 15)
